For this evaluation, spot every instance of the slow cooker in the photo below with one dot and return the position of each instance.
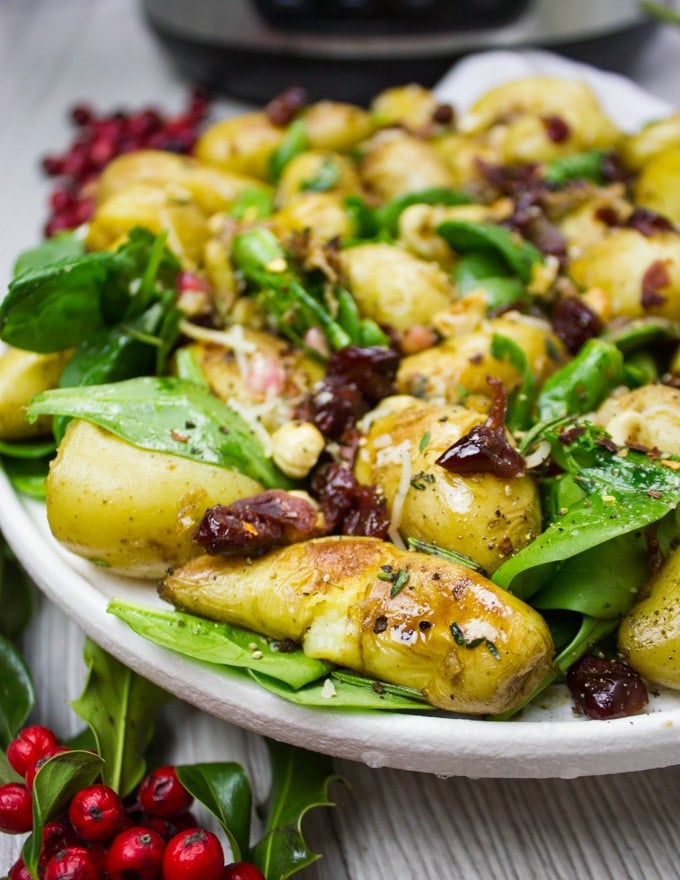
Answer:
(350, 49)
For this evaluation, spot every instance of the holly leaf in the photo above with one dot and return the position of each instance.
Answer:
(300, 782)
(224, 789)
(120, 707)
(16, 691)
(53, 787)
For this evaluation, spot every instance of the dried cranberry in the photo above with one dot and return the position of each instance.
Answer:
(191, 854)
(648, 222)
(162, 794)
(556, 128)
(655, 278)
(253, 525)
(348, 507)
(282, 109)
(372, 370)
(485, 448)
(603, 688)
(574, 322)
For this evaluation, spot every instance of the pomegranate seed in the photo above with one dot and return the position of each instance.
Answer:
(29, 746)
(96, 813)
(16, 808)
(82, 114)
(191, 854)
(53, 165)
(162, 794)
(72, 863)
(144, 123)
(136, 852)
(242, 871)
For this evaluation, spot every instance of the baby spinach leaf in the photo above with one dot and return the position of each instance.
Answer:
(388, 214)
(465, 235)
(300, 781)
(27, 475)
(170, 415)
(17, 594)
(17, 694)
(295, 141)
(55, 784)
(219, 643)
(342, 693)
(521, 400)
(577, 166)
(124, 735)
(65, 246)
(583, 383)
(224, 789)
(622, 493)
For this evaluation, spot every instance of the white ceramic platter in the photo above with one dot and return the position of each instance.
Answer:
(548, 740)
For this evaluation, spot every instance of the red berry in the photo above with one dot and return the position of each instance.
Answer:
(19, 871)
(96, 813)
(29, 746)
(193, 854)
(136, 852)
(16, 808)
(162, 794)
(73, 863)
(82, 114)
(31, 772)
(55, 837)
(242, 871)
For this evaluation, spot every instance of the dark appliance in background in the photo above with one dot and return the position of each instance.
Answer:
(351, 49)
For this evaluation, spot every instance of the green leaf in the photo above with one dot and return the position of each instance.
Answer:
(17, 594)
(219, 643)
(346, 691)
(295, 141)
(465, 235)
(521, 400)
(66, 246)
(55, 784)
(120, 707)
(577, 166)
(27, 476)
(300, 781)
(224, 789)
(583, 383)
(17, 694)
(622, 493)
(166, 414)
(388, 214)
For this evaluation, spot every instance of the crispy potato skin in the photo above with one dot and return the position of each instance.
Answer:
(649, 637)
(128, 509)
(327, 594)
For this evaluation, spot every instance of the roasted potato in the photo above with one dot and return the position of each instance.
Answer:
(23, 374)
(649, 637)
(393, 286)
(395, 162)
(658, 185)
(465, 643)
(128, 509)
(480, 515)
(647, 416)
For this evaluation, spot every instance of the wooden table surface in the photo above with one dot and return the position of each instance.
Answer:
(387, 823)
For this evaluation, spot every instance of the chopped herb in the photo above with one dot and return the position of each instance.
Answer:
(398, 578)
(424, 440)
(421, 479)
(459, 639)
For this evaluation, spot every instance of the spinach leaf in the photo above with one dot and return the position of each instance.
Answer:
(170, 415)
(295, 141)
(465, 235)
(124, 735)
(219, 643)
(388, 214)
(521, 400)
(578, 166)
(17, 594)
(621, 493)
(66, 246)
(300, 781)
(59, 305)
(346, 691)
(583, 383)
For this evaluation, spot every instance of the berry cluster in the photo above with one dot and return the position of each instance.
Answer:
(150, 836)
(99, 139)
